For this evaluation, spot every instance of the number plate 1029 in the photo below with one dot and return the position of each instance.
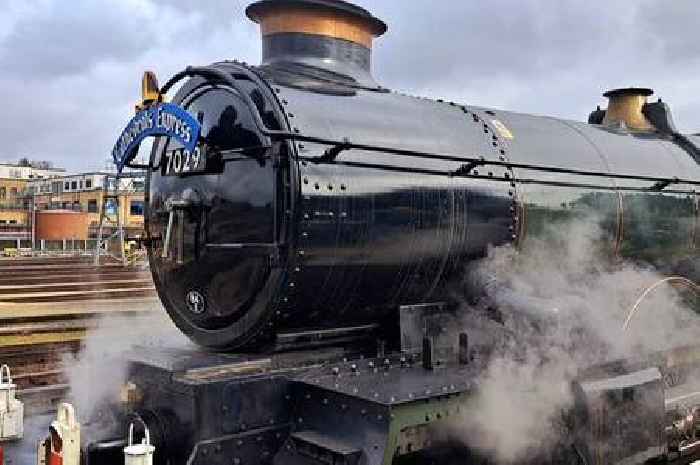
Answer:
(181, 161)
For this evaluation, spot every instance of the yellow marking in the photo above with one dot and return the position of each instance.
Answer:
(70, 293)
(502, 129)
(12, 311)
(42, 338)
(85, 283)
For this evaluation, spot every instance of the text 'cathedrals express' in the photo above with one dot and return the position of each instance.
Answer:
(162, 120)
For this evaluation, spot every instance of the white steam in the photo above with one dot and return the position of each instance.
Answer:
(99, 370)
(551, 309)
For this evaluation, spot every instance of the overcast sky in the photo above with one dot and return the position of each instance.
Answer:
(70, 71)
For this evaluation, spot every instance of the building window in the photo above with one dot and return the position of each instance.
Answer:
(65, 205)
(81, 183)
(92, 206)
(13, 192)
(66, 186)
(74, 185)
(3, 193)
(88, 183)
(136, 208)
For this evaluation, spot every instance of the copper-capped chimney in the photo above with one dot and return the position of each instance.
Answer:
(627, 106)
(332, 35)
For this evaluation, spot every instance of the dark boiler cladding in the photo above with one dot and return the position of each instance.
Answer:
(373, 278)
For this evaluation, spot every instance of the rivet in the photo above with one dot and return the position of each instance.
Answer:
(306, 216)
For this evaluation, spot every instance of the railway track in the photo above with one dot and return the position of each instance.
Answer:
(48, 306)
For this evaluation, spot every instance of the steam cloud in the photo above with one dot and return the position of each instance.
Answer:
(99, 371)
(545, 312)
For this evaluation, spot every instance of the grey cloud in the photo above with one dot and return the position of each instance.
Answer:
(70, 39)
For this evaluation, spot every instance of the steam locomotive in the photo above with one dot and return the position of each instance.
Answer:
(304, 222)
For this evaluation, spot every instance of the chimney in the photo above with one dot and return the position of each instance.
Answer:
(333, 35)
(627, 106)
